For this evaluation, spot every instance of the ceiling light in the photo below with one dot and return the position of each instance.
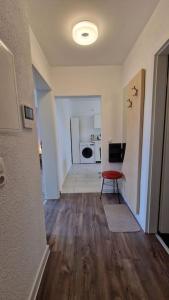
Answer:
(85, 33)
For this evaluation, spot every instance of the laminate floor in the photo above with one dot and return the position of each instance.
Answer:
(88, 262)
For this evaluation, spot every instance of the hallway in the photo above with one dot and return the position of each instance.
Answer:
(84, 98)
(88, 262)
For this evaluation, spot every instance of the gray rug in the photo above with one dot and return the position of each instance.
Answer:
(120, 219)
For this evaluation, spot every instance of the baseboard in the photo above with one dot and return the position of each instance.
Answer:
(56, 197)
(39, 274)
(162, 243)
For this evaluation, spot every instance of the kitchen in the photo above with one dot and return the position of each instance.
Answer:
(79, 142)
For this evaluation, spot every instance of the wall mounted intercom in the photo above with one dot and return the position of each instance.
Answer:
(28, 116)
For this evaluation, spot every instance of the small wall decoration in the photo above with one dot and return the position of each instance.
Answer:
(130, 103)
(135, 91)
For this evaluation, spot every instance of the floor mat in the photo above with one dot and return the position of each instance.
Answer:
(120, 219)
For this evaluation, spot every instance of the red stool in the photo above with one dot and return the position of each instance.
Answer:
(114, 176)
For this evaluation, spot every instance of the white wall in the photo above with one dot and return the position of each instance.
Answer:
(42, 77)
(86, 106)
(85, 109)
(22, 230)
(105, 81)
(39, 60)
(154, 35)
(63, 115)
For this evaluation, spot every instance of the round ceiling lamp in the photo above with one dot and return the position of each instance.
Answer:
(85, 33)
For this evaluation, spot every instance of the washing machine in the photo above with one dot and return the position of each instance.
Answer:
(87, 153)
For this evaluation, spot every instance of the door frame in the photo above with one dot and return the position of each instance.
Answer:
(157, 134)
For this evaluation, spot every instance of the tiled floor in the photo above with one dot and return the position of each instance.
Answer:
(83, 178)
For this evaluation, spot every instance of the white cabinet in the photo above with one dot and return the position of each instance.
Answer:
(97, 151)
(97, 121)
(75, 137)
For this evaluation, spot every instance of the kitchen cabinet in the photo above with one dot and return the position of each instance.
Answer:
(97, 121)
(97, 151)
(75, 138)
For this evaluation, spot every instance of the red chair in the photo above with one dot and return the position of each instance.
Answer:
(114, 176)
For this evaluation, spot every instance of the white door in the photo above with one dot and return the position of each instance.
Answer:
(164, 200)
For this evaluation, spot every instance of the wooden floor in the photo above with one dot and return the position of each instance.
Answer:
(88, 262)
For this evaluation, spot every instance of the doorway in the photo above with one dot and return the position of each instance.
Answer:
(79, 143)
(163, 217)
(158, 210)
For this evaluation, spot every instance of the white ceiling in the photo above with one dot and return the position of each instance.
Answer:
(119, 23)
